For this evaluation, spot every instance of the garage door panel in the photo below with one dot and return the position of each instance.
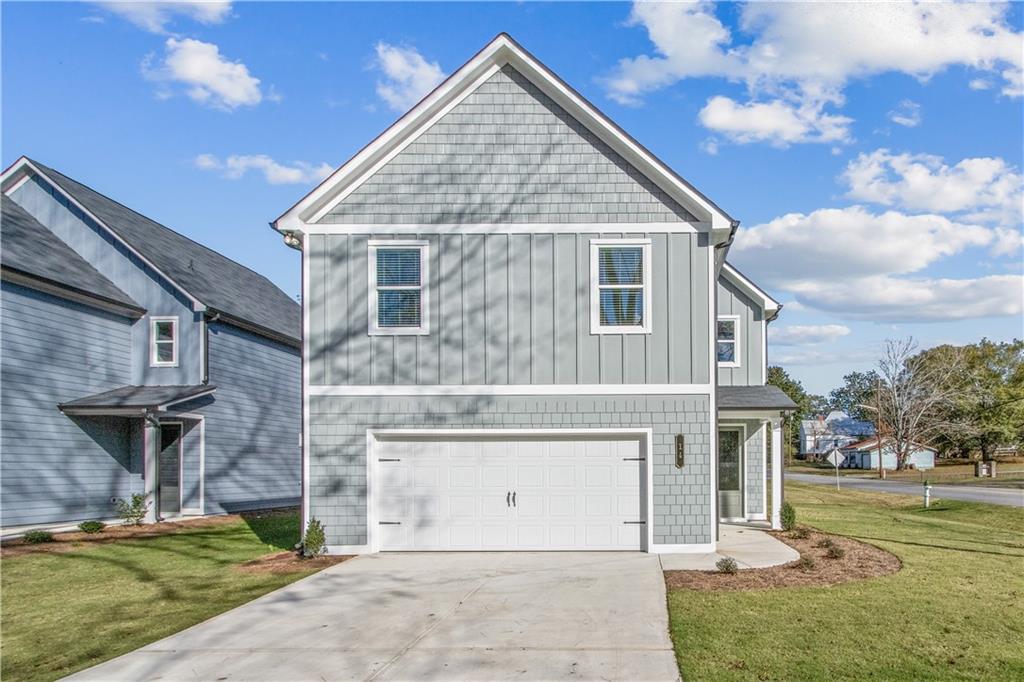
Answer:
(571, 493)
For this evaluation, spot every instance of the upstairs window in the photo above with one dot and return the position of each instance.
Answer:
(728, 342)
(620, 283)
(163, 341)
(398, 292)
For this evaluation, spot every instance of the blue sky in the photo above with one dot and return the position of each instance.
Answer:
(872, 153)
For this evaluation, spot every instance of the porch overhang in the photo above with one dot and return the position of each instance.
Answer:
(753, 402)
(134, 401)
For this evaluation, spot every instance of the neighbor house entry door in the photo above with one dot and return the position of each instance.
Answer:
(169, 477)
(730, 474)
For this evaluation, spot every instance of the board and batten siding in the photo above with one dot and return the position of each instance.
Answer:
(732, 301)
(56, 467)
(507, 309)
(253, 422)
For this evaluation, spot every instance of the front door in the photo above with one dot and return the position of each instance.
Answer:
(170, 469)
(730, 474)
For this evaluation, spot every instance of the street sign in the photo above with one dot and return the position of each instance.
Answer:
(834, 459)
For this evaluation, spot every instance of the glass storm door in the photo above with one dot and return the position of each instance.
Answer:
(170, 469)
(730, 474)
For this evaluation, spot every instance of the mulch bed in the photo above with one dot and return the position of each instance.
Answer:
(860, 561)
(72, 540)
(289, 562)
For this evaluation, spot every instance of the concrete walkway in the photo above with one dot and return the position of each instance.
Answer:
(750, 547)
(1011, 497)
(424, 616)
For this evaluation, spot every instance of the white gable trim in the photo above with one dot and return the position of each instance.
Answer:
(22, 169)
(499, 52)
(735, 277)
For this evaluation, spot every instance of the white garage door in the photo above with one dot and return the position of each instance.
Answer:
(478, 493)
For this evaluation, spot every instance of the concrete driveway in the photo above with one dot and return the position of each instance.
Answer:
(424, 616)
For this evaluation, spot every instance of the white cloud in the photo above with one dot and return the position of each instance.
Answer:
(409, 77)
(235, 166)
(777, 122)
(852, 262)
(884, 298)
(209, 78)
(852, 241)
(907, 113)
(817, 357)
(805, 58)
(985, 189)
(807, 334)
(155, 16)
(980, 84)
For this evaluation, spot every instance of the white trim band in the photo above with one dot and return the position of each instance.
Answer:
(511, 389)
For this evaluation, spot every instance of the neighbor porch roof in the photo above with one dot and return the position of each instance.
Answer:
(129, 400)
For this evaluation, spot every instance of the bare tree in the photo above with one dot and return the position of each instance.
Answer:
(913, 396)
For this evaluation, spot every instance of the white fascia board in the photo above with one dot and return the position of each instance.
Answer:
(22, 169)
(500, 51)
(755, 292)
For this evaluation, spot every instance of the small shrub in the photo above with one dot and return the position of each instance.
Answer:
(788, 516)
(825, 543)
(835, 552)
(800, 533)
(727, 565)
(91, 526)
(133, 510)
(806, 563)
(314, 542)
(34, 537)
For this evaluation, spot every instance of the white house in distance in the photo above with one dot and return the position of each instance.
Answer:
(825, 433)
(864, 455)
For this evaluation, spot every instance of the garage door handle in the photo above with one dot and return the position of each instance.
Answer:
(639, 523)
(508, 497)
(390, 523)
(513, 499)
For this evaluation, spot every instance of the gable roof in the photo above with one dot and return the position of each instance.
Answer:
(210, 279)
(744, 284)
(501, 51)
(28, 247)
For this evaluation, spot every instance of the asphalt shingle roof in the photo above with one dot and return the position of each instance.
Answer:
(753, 398)
(218, 282)
(138, 396)
(27, 246)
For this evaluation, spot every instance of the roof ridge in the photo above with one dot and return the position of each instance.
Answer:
(147, 218)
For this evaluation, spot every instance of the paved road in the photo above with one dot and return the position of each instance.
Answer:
(525, 616)
(1011, 497)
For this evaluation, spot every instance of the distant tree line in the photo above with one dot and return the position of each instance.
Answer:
(960, 400)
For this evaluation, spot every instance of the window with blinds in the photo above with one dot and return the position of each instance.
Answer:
(397, 290)
(620, 274)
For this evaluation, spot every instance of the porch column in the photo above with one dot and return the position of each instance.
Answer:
(150, 465)
(776, 516)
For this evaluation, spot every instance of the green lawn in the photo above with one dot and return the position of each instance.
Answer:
(65, 612)
(955, 610)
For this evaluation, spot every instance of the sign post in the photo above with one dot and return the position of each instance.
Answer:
(834, 459)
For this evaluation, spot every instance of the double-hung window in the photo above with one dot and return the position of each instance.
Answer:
(620, 286)
(163, 341)
(398, 272)
(728, 341)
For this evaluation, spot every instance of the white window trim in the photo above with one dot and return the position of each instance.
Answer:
(735, 319)
(153, 362)
(424, 249)
(595, 299)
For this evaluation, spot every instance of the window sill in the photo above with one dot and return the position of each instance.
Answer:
(604, 331)
(729, 365)
(399, 332)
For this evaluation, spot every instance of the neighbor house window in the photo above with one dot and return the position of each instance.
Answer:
(620, 286)
(728, 341)
(163, 341)
(398, 272)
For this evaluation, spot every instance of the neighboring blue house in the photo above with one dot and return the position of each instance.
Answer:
(864, 455)
(136, 360)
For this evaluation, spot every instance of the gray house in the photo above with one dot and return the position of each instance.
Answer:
(136, 360)
(521, 333)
